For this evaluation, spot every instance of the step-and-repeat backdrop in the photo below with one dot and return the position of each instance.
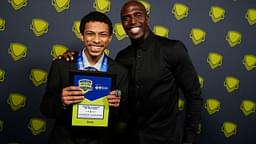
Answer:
(219, 34)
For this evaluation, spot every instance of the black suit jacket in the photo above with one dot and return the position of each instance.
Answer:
(51, 107)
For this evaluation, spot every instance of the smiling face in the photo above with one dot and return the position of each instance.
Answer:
(135, 20)
(96, 38)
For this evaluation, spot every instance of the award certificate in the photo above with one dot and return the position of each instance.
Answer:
(94, 109)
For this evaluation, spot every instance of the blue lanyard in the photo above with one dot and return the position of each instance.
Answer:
(80, 63)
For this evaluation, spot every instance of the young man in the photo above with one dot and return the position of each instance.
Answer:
(158, 69)
(96, 33)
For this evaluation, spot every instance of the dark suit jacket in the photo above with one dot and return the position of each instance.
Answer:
(51, 107)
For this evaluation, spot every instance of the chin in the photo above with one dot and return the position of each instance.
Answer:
(136, 37)
(95, 54)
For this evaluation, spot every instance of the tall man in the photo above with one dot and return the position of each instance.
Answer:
(158, 68)
(96, 33)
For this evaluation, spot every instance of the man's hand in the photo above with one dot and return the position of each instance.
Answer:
(114, 98)
(71, 95)
(68, 55)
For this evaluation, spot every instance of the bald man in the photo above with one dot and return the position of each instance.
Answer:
(158, 69)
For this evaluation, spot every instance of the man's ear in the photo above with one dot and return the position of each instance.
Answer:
(147, 19)
(81, 37)
(110, 38)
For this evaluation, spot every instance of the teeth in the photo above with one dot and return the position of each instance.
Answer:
(135, 30)
(96, 47)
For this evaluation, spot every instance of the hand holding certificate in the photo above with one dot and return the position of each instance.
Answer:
(71, 95)
(114, 98)
(93, 110)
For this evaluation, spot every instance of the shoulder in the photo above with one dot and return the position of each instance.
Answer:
(170, 46)
(116, 65)
(170, 43)
(61, 64)
(173, 51)
(125, 56)
(126, 52)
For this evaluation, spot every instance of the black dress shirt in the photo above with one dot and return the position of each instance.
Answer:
(159, 68)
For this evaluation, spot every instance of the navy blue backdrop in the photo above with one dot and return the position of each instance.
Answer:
(219, 34)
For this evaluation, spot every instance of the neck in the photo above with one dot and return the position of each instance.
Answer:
(140, 40)
(92, 59)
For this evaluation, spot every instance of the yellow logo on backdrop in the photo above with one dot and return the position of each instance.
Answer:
(38, 76)
(251, 16)
(249, 62)
(119, 31)
(37, 125)
(181, 104)
(214, 60)
(2, 24)
(197, 35)
(161, 31)
(233, 38)
(180, 10)
(146, 4)
(58, 50)
(248, 107)
(39, 26)
(2, 75)
(17, 51)
(18, 4)
(201, 81)
(1, 125)
(16, 101)
(217, 13)
(102, 5)
(229, 129)
(76, 29)
(60, 5)
(231, 83)
(212, 105)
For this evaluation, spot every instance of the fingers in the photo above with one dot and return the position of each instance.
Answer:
(72, 88)
(116, 92)
(113, 92)
(68, 100)
(73, 53)
(113, 99)
(68, 55)
(71, 95)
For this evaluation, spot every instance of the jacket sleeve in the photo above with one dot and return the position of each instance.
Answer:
(51, 105)
(187, 80)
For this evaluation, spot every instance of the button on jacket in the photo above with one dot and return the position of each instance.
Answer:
(159, 68)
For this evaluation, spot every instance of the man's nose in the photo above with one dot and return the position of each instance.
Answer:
(133, 20)
(96, 39)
